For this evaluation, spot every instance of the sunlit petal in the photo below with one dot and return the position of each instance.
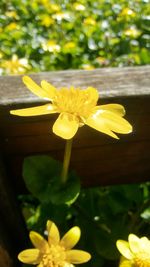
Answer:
(116, 108)
(53, 233)
(66, 126)
(34, 88)
(107, 122)
(40, 110)
(115, 123)
(49, 89)
(124, 249)
(30, 256)
(77, 256)
(100, 125)
(71, 238)
(38, 241)
(134, 243)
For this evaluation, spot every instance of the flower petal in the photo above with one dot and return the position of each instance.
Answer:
(49, 89)
(40, 110)
(116, 123)
(30, 256)
(135, 243)
(34, 88)
(116, 108)
(66, 126)
(75, 256)
(125, 263)
(53, 233)
(107, 122)
(38, 241)
(71, 238)
(99, 124)
(124, 249)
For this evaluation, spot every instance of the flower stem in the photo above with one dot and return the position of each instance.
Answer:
(67, 155)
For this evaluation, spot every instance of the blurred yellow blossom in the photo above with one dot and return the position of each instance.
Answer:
(61, 15)
(46, 20)
(55, 252)
(51, 46)
(132, 32)
(69, 46)
(1, 55)
(87, 67)
(76, 107)
(127, 12)
(15, 65)
(79, 7)
(136, 252)
(89, 21)
(11, 14)
(12, 26)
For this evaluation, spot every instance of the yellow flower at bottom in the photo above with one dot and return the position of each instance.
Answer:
(76, 107)
(55, 252)
(136, 252)
(15, 65)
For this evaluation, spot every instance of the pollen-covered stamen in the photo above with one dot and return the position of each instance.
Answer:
(142, 259)
(54, 257)
(76, 101)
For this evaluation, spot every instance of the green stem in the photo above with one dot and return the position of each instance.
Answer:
(67, 155)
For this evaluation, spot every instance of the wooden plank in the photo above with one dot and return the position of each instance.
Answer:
(13, 235)
(95, 155)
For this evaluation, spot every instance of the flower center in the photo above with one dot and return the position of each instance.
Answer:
(54, 257)
(76, 101)
(142, 259)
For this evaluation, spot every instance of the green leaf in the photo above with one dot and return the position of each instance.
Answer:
(42, 178)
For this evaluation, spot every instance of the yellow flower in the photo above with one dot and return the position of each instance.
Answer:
(51, 46)
(55, 252)
(79, 7)
(70, 45)
(136, 252)
(11, 14)
(61, 15)
(89, 21)
(15, 65)
(76, 107)
(127, 12)
(132, 32)
(87, 67)
(46, 20)
(12, 26)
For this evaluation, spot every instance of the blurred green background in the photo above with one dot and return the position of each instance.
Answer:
(43, 35)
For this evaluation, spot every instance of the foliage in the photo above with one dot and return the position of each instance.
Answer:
(103, 214)
(43, 35)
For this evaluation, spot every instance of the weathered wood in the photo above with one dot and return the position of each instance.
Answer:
(12, 228)
(99, 159)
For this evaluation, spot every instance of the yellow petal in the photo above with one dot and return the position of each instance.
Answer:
(53, 233)
(41, 110)
(116, 108)
(99, 124)
(66, 126)
(38, 241)
(49, 89)
(34, 88)
(135, 243)
(30, 256)
(124, 249)
(125, 263)
(115, 123)
(71, 238)
(77, 256)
